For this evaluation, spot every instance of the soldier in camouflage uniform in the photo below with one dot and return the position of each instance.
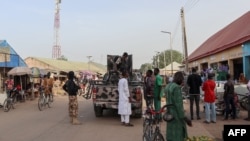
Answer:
(71, 88)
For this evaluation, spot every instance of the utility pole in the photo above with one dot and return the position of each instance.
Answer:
(89, 62)
(184, 40)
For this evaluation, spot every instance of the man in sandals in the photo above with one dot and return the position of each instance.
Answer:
(124, 105)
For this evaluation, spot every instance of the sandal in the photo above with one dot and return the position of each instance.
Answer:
(129, 124)
(123, 123)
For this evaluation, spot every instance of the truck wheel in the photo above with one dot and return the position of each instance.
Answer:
(98, 111)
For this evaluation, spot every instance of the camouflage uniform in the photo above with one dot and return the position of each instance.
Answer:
(71, 88)
(73, 106)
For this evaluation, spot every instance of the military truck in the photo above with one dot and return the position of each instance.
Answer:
(105, 93)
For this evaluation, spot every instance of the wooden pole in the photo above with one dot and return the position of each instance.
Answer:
(184, 40)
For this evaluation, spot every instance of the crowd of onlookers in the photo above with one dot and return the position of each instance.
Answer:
(195, 83)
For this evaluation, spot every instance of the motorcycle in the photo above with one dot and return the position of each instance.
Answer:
(12, 97)
(221, 106)
(244, 101)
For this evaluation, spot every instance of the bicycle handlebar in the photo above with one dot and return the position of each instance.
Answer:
(154, 112)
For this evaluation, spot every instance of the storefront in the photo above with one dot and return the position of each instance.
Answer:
(235, 61)
(227, 51)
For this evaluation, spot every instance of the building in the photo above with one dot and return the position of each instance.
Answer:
(59, 66)
(227, 50)
(8, 60)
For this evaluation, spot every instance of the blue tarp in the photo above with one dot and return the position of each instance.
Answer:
(8, 56)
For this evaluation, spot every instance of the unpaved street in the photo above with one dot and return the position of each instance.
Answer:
(27, 123)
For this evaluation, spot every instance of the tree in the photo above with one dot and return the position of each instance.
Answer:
(176, 56)
(145, 67)
(63, 58)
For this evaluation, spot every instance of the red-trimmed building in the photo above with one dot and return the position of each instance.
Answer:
(228, 47)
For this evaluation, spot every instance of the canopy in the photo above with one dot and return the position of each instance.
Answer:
(168, 69)
(20, 71)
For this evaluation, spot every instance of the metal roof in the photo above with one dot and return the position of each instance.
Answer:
(236, 33)
(8, 56)
(63, 65)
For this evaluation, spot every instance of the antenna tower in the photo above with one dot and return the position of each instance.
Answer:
(56, 52)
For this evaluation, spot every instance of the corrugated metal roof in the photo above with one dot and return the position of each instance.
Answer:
(9, 57)
(236, 33)
(66, 66)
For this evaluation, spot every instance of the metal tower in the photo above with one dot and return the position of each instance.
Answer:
(56, 52)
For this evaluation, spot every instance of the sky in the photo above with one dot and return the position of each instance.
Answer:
(100, 27)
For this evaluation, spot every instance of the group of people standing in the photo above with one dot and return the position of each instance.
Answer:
(208, 86)
(153, 88)
(153, 92)
(195, 83)
(176, 129)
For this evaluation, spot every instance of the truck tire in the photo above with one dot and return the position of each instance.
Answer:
(98, 111)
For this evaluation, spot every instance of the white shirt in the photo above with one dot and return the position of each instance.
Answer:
(124, 106)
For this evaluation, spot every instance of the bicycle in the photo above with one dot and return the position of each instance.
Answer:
(88, 92)
(44, 100)
(11, 99)
(82, 89)
(151, 124)
(244, 101)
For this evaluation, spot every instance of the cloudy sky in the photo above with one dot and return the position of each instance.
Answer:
(100, 27)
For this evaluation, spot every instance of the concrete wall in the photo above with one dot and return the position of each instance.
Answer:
(246, 59)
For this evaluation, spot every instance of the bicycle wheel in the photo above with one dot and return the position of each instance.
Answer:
(49, 98)
(145, 125)
(158, 137)
(41, 103)
(148, 129)
(6, 105)
(14, 101)
(145, 137)
(244, 103)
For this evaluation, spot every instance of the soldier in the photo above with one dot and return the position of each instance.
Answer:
(123, 63)
(71, 88)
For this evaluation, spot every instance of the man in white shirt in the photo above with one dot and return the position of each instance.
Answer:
(124, 105)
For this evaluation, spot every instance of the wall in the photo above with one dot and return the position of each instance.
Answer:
(246, 59)
(227, 55)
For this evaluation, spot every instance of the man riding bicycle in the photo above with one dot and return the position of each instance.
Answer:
(47, 83)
